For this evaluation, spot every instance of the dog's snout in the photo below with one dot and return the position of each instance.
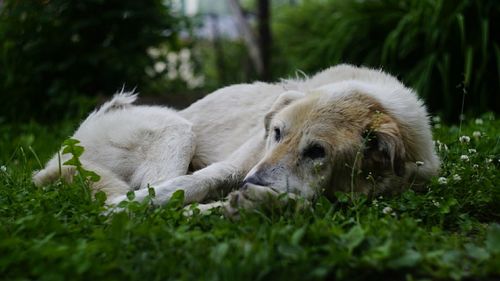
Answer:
(254, 179)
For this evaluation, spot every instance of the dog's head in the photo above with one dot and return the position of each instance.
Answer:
(320, 142)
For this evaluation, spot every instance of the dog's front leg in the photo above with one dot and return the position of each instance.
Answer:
(249, 197)
(214, 181)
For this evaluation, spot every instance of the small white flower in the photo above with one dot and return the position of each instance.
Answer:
(475, 166)
(185, 72)
(489, 160)
(160, 66)
(153, 52)
(441, 146)
(419, 163)
(436, 119)
(472, 150)
(464, 158)
(3, 168)
(457, 177)
(464, 139)
(185, 54)
(435, 203)
(476, 134)
(479, 121)
(387, 210)
(172, 73)
(172, 58)
(196, 82)
(442, 180)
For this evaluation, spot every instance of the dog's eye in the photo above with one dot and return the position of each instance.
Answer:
(314, 151)
(277, 134)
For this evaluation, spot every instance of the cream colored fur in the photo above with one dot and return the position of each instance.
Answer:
(346, 128)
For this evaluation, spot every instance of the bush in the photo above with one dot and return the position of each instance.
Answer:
(224, 62)
(53, 52)
(441, 48)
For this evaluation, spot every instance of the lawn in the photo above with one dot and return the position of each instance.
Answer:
(448, 231)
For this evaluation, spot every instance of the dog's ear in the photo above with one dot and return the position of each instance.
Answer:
(282, 101)
(383, 147)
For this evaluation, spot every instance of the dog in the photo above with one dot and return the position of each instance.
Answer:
(347, 128)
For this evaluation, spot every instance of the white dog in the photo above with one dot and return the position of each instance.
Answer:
(344, 129)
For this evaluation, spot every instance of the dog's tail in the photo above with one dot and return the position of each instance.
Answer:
(119, 101)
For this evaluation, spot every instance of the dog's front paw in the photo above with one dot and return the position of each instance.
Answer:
(255, 196)
(250, 196)
(114, 201)
(112, 205)
(204, 209)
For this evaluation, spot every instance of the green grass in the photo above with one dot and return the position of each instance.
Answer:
(448, 231)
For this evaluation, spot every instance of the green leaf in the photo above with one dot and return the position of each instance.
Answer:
(447, 205)
(341, 197)
(91, 175)
(151, 192)
(493, 238)
(177, 200)
(354, 237)
(297, 235)
(73, 162)
(130, 195)
(476, 252)
(70, 142)
(73, 150)
(408, 259)
(469, 55)
(100, 197)
(460, 21)
(219, 252)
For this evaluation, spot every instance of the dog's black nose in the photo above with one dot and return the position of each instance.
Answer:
(254, 179)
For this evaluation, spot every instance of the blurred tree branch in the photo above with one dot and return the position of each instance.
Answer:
(254, 44)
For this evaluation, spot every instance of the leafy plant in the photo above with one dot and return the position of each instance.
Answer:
(441, 48)
(55, 54)
(71, 146)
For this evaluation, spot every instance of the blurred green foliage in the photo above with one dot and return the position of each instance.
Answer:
(57, 55)
(224, 62)
(441, 48)
(54, 53)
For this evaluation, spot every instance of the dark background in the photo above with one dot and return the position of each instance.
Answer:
(59, 58)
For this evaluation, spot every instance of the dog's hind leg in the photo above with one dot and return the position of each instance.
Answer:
(167, 156)
(108, 181)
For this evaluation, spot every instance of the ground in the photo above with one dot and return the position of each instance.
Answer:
(449, 230)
